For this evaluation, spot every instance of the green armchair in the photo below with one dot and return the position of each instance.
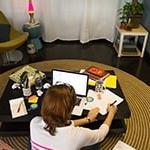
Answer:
(16, 39)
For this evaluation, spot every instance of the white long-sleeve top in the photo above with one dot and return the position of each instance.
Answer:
(66, 138)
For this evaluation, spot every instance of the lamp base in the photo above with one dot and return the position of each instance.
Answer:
(32, 20)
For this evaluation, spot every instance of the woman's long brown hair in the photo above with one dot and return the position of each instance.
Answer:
(57, 106)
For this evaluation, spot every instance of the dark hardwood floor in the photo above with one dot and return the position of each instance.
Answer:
(99, 51)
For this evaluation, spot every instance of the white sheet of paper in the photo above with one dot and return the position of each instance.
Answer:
(107, 97)
(122, 146)
(17, 107)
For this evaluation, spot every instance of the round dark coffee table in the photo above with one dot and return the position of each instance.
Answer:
(136, 92)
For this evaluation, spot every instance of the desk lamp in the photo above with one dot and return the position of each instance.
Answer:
(31, 12)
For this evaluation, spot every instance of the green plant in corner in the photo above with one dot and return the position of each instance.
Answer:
(131, 13)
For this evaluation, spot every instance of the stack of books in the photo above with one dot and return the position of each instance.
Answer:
(96, 73)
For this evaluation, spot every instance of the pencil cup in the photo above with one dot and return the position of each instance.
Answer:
(26, 91)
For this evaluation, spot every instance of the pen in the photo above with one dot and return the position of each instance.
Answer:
(113, 103)
(26, 84)
(105, 76)
(19, 106)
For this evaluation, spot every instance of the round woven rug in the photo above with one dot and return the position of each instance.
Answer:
(136, 92)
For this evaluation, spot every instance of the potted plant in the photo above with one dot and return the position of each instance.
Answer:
(131, 13)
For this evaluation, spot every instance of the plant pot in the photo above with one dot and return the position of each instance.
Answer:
(134, 21)
(125, 26)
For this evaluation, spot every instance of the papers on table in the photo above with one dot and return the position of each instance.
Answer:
(17, 107)
(102, 99)
(122, 146)
(106, 97)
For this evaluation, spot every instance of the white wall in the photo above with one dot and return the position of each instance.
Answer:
(104, 11)
(5, 7)
(16, 12)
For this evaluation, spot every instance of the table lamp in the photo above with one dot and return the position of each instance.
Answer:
(31, 12)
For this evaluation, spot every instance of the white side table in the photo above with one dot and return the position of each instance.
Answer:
(124, 47)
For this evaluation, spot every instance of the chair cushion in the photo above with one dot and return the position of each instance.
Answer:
(4, 32)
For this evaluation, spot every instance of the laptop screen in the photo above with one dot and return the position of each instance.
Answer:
(77, 80)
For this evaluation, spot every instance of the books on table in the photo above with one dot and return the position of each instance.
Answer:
(96, 73)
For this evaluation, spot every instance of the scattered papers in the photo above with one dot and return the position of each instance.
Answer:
(111, 82)
(106, 97)
(101, 100)
(17, 107)
(122, 146)
(32, 75)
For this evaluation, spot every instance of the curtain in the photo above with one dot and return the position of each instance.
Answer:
(82, 20)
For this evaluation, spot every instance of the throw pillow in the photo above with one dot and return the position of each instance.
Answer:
(4, 32)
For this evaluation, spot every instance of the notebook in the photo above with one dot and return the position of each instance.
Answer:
(78, 80)
(18, 107)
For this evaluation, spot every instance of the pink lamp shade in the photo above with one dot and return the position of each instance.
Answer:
(31, 10)
(30, 7)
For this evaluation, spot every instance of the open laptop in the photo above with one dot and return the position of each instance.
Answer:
(78, 80)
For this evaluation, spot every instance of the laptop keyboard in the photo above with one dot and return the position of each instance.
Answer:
(78, 101)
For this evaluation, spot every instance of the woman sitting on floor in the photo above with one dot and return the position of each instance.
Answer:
(55, 131)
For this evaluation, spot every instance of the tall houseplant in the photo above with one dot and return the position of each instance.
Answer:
(131, 13)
